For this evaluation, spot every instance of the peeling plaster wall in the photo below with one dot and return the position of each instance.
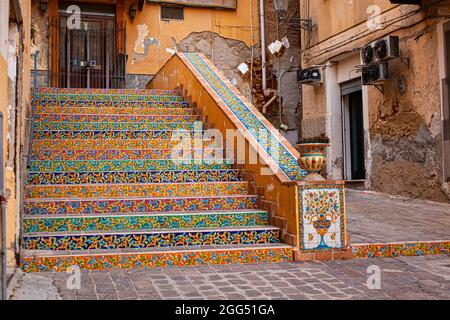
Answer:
(149, 37)
(403, 135)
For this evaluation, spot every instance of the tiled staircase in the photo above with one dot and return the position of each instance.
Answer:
(103, 191)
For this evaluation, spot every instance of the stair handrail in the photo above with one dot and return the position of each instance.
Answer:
(31, 117)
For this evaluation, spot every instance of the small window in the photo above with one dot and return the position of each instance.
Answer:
(172, 13)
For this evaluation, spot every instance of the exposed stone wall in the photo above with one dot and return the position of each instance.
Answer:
(405, 122)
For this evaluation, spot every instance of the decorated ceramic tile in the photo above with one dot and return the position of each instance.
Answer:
(103, 110)
(156, 260)
(279, 153)
(408, 249)
(144, 222)
(110, 206)
(38, 178)
(93, 154)
(109, 134)
(108, 97)
(134, 105)
(39, 145)
(140, 240)
(136, 190)
(322, 217)
(126, 165)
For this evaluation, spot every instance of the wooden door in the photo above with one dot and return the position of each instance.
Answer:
(87, 53)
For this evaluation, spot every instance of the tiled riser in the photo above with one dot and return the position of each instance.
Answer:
(405, 249)
(115, 92)
(163, 154)
(156, 260)
(84, 118)
(122, 166)
(40, 146)
(133, 177)
(102, 110)
(137, 190)
(138, 206)
(149, 240)
(113, 126)
(104, 99)
(145, 222)
(136, 105)
(142, 135)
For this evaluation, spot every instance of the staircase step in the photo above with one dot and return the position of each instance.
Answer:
(144, 222)
(148, 239)
(133, 177)
(60, 261)
(117, 135)
(101, 118)
(108, 98)
(108, 91)
(139, 205)
(116, 105)
(57, 166)
(102, 110)
(96, 154)
(136, 190)
(41, 145)
(117, 126)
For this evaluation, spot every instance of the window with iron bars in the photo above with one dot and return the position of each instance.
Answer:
(172, 13)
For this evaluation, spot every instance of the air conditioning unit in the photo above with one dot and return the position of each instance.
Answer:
(309, 76)
(383, 49)
(375, 73)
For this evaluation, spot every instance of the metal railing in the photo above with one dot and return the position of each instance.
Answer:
(88, 58)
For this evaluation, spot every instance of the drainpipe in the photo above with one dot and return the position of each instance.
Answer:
(263, 46)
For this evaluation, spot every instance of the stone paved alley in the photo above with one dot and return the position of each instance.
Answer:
(426, 277)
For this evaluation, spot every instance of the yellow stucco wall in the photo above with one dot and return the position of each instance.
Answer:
(335, 16)
(228, 23)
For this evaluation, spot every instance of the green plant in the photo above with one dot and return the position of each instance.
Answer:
(317, 139)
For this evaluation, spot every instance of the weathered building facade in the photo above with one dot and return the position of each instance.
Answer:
(14, 109)
(392, 136)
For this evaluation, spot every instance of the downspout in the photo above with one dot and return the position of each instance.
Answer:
(263, 46)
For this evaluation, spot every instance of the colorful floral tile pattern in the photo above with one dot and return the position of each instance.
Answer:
(116, 105)
(252, 122)
(392, 250)
(109, 144)
(110, 91)
(95, 154)
(156, 260)
(124, 165)
(136, 190)
(108, 118)
(139, 240)
(37, 178)
(102, 179)
(322, 217)
(114, 126)
(108, 134)
(108, 98)
(105, 110)
(145, 222)
(110, 206)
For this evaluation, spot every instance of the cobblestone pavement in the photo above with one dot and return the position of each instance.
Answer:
(375, 217)
(425, 277)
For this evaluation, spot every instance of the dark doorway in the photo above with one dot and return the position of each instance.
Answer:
(87, 55)
(353, 135)
(356, 126)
